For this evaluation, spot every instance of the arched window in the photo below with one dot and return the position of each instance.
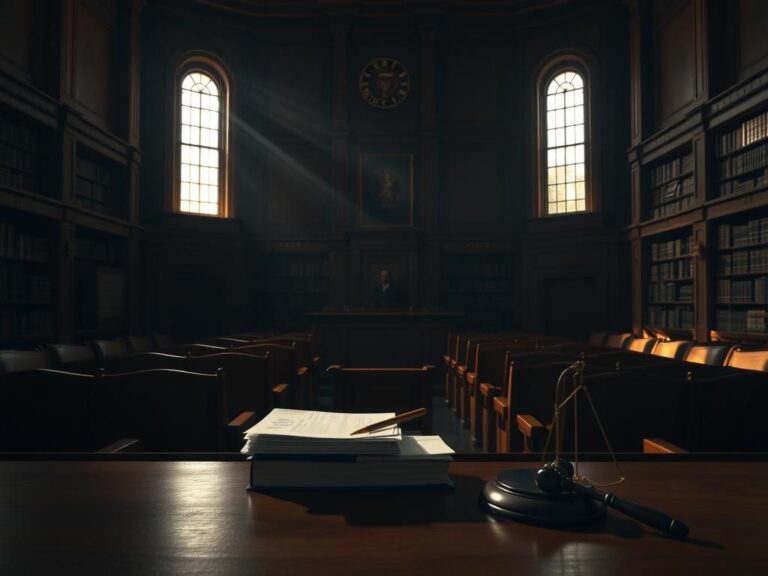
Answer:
(566, 147)
(201, 142)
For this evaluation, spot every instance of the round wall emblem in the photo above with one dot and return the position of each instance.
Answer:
(384, 83)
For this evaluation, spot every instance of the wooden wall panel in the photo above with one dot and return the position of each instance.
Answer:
(298, 89)
(675, 59)
(471, 186)
(470, 87)
(753, 44)
(15, 32)
(95, 62)
(297, 190)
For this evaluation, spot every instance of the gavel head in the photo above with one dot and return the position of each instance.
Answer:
(552, 478)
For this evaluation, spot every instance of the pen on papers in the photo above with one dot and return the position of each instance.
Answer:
(398, 419)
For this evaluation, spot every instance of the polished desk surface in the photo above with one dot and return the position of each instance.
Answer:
(114, 518)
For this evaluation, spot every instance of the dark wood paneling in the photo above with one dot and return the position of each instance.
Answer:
(298, 188)
(95, 58)
(470, 84)
(471, 185)
(753, 44)
(15, 33)
(675, 60)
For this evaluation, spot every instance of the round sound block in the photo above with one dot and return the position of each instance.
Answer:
(514, 494)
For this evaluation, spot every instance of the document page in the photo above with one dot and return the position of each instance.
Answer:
(321, 425)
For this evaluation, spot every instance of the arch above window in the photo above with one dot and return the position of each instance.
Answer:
(200, 142)
(564, 137)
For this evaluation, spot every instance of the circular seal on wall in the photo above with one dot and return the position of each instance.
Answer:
(384, 83)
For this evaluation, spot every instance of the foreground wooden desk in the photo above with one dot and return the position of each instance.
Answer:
(144, 518)
(384, 338)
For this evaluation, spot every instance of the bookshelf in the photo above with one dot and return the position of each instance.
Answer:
(100, 184)
(742, 156)
(99, 283)
(671, 184)
(481, 286)
(289, 286)
(24, 151)
(26, 279)
(741, 283)
(670, 282)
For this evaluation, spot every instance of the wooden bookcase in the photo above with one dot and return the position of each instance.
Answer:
(670, 184)
(741, 274)
(670, 282)
(100, 184)
(290, 285)
(481, 285)
(741, 154)
(25, 154)
(27, 281)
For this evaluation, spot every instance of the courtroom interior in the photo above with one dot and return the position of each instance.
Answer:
(476, 191)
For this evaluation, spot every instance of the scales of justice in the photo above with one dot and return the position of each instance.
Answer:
(555, 494)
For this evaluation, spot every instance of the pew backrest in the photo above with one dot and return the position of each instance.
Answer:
(749, 360)
(675, 350)
(21, 360)
(714, 355)
(62, 355)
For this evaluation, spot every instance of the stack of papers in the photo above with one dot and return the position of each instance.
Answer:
(285, 431)
(303, 448)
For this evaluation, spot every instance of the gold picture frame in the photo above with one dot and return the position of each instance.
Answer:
(385, 191)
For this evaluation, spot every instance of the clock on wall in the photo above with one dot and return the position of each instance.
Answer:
(384, 83)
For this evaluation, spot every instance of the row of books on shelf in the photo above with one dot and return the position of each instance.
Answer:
(674, 270)
(743, 185)
(294, 283)
(749, 131)
(100, 250)
(17, 159)
(672, 190)
(16, 284)
(472, 268)
(18, 243)
(672, 169)
(672, 248)
(679, 317)
(18, 135)
(20, 180)
(18, 322)
(729, 320)
(672, 208)
(296, 268)
(479, 284)
(739, 235)
(670, 292)
(94, 172)
(742, 291)
(743, 262)
(748, 161)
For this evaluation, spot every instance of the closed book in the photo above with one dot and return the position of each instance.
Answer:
(423, 461)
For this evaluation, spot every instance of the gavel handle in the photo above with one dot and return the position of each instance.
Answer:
(649, 516)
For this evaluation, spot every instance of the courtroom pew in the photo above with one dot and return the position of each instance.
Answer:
(385, 390)
(285, 369)
(139, 344)
(193, 349)
(108, 349)
(72, 357)
(21, 360)
(713, 355)
(170, 411)
(247, 377)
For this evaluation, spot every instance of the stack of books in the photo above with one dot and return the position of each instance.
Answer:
(305, 448)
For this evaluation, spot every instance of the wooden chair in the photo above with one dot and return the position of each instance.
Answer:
(714, 355)
(751, 360)
(598, 338)
(171, 411)
(139, 344)
(287, 374)
(661, 446)
(21, 360)
(385, 390)
(75, 355)
(108, 349)
(642, 345)
(675, 350)
(618, 340)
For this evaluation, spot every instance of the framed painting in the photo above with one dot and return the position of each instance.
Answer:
(386, 190)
